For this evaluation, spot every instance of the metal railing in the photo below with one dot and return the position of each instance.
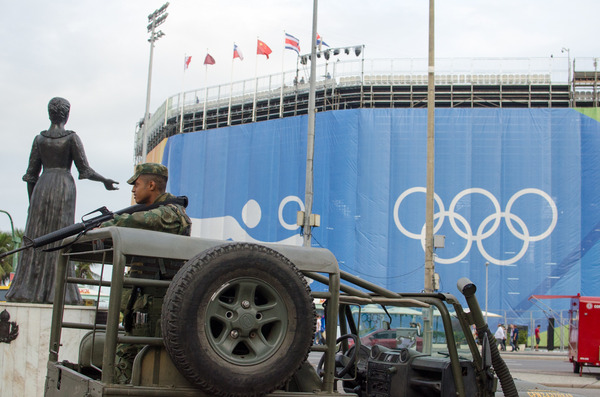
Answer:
(243, 95)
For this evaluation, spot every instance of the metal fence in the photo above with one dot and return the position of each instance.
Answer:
(560, 327)
(357, 72)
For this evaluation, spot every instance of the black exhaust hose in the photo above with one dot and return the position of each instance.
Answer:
(467, 288)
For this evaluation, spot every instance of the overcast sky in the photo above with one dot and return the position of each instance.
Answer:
(95, 54)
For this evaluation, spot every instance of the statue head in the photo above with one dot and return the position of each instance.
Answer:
(58, 110)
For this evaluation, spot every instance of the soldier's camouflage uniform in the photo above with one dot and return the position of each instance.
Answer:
(170, 218)
(141, 307)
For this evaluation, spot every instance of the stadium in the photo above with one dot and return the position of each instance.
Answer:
(516, 170)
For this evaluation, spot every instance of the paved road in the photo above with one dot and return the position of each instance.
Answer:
(555, 370)
(551, 369)
(578, 391)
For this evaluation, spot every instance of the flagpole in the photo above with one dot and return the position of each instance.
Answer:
(230, 90)
(205, 92)
(182, 94)
(310, 138)
(282, 79)
(297, 69)
(255, 83)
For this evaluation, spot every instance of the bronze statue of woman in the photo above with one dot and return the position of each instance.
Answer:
(51, 204)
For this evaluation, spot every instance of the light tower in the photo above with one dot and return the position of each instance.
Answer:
(155, 19)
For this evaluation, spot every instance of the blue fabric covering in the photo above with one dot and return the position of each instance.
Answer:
(520, 186)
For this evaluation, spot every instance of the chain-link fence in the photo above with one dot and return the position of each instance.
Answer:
(554, 327)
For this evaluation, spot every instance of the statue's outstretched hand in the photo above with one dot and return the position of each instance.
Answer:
(109, 184)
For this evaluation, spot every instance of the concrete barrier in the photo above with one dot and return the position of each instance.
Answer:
(23, 360)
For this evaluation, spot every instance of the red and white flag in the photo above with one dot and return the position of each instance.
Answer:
(237, 53)
(292, 43)
(186, 62)
(321, 42)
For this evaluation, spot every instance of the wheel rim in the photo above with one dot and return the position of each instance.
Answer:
(246, 321)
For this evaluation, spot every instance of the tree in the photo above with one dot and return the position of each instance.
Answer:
(84, 270)
(6, 263)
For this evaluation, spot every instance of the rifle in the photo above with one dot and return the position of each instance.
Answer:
(88, 224)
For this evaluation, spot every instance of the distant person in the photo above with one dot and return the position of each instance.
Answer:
(51, 204)
(514, 338)
(318, 336)
(537, 337)
(500, 337)
(475, 334)
(322, 330)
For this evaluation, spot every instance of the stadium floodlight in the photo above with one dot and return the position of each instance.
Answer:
(347, 51)
(156, 19)
(568, 51)
(158, 12)
(357, 50)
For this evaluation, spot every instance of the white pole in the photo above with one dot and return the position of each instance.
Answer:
(310, 139)
(147, 112)
(532, 326)
(182, 93)
(230, 91)
(282, 79)
(487, 265)
(429, 199)
(205, 96)
(255, 85)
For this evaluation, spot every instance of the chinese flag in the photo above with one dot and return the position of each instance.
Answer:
(263, 49)
(209, 60)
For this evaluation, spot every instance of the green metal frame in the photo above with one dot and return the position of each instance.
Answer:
(113, 245)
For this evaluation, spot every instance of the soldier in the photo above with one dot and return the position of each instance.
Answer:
(149, 187)
(142, 306)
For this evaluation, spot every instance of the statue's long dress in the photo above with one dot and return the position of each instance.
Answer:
(51, 207)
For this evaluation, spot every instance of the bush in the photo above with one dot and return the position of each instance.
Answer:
(522, 340)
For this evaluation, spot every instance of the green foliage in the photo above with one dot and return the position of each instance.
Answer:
(6, 263)
(522, 340)
(83, 270)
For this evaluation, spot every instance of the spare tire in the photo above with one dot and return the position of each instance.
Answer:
(238, 320)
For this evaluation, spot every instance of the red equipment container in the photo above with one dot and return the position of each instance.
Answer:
(584, 332)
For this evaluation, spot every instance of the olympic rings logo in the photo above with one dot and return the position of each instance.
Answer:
(467, 233)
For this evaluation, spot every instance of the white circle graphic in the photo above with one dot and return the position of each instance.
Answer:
(251, 214)
(397, 206)
(284, 202)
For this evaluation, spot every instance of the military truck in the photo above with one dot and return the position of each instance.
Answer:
(238, 319)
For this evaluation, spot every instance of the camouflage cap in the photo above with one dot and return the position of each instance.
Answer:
(148, 168)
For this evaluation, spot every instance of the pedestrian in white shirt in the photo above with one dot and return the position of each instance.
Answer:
(501, 337)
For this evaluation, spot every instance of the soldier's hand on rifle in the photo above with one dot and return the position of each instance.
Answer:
(109, 184)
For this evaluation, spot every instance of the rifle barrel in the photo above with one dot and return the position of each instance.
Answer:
(13, 251)
(77, 228)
